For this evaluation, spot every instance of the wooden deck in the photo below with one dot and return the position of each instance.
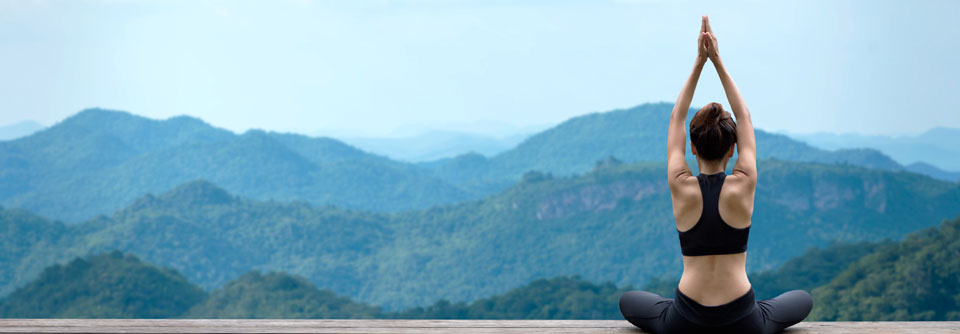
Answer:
(417, 326)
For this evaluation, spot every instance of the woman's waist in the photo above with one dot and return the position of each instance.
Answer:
(711, 283)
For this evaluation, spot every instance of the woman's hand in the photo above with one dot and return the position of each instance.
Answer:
(708, 42)
(702, 41)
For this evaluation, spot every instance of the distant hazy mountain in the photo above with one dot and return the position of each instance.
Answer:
(939, 146)
(435, 145)
(612, 224)
(635, 134)
(98, 161)
(933, 171)
(19, 129)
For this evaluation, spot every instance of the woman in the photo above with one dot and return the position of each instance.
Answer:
(712, 212)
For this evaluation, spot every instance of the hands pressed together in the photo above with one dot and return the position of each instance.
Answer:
(707, 42)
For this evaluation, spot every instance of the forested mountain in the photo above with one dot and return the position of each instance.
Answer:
(917, 279)
(120, 286)
(561, 297)
(597, 224)
(110, 285)
(635, 134)
(611, 224)
(98, 161)
(114, 285)
(278, 295)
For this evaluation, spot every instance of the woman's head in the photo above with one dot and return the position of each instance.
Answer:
(712, 132)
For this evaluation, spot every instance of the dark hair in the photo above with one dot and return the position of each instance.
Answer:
(712, 131)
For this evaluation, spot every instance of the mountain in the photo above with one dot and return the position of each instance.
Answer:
(19, 129)
(635, 134)
(277, 295)
(283, 296)
(916, 279)
(933, 171)
(598, 225)
(114, 285)
(434, 145)
(98, 161)
(110, 285)
(611, 224)
(937, 146)
(208, 234)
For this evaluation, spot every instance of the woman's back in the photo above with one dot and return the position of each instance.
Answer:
(708, 277)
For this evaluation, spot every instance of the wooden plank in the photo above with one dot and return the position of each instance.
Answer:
(417, 326)
(314, 322)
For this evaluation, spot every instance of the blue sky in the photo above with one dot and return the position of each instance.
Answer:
(383, 67)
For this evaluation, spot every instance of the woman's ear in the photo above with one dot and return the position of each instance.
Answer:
(693, 149)
(732, 149)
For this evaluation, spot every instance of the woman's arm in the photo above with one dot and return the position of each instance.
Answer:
(676, 134)
(746, 142)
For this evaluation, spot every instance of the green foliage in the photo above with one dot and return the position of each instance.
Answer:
(113, 285)
(612, 224)
(917, 279)
(26, 244)
(561, 297)
(813, 268)
(110, 285)
(278, 295)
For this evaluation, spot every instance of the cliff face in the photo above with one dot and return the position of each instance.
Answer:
(597, 197)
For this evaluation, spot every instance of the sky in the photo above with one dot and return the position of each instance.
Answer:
(382, 68)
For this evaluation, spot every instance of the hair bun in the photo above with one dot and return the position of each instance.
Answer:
(713, 113)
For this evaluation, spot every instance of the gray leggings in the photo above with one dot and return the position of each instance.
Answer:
(746, 315)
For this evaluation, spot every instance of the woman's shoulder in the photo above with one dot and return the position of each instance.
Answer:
(739, 184)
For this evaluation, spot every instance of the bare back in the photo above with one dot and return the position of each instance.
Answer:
(714, 279)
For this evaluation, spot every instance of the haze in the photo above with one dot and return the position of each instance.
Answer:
(384, 67)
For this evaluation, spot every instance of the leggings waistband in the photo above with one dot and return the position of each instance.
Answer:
(719, 315)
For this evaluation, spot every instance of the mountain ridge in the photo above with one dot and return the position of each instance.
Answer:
(97, 161)
(936, 146)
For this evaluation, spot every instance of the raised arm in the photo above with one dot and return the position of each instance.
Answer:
(676, 134)
(746, 141)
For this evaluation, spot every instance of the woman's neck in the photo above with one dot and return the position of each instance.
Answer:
(711, 167)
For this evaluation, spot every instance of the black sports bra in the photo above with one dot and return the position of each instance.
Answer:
(711, 235)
